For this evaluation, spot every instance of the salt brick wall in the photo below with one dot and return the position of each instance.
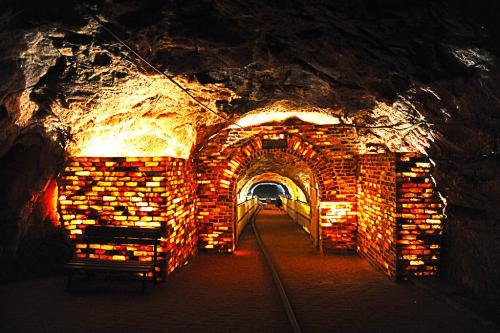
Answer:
(400, 214)
(141, 192)
(377, 210)
(329, 151)
(419, 217)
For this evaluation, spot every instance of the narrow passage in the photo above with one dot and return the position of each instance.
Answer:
(343, 293)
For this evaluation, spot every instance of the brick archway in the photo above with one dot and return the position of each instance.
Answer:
(219, 170)
(297, 148)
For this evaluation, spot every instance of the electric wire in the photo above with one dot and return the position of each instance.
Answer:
(153, 67)
(203, 105)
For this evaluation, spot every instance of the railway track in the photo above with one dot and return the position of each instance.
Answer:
(285, 301)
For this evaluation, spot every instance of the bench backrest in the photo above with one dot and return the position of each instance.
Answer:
(122, 235)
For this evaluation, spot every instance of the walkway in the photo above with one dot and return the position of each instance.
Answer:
(234, 293)
(343, 293)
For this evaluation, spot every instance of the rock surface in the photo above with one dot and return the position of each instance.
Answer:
(423, 66)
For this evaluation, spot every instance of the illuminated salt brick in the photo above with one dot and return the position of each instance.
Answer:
(108, 198)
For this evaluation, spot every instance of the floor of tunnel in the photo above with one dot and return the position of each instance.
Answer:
(234, 293)
(344, 293)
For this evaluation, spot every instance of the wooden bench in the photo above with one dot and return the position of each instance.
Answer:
(117, 236)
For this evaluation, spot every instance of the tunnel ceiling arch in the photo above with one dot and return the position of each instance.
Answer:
(266, 189)
(293, 188)
(279, 167)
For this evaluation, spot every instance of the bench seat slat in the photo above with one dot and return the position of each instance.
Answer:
(111, 265)
(110, 262)
(122, 232)
(103, 239)
(113, 268)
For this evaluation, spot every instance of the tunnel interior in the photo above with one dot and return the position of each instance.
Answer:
(380, 122)
(383, 206)
(268, 190)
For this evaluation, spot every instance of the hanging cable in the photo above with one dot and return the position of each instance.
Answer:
(153, 67)
(203, 105)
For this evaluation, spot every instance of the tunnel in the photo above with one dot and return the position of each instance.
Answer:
(363, 133)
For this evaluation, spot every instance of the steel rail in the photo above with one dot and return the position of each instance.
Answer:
(292, 319)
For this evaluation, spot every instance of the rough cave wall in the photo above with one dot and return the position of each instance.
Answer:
(30, 241)
(128, 191)
(329, 150)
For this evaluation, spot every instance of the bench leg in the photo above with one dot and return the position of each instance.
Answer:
(70, 278)
(144, 275)
(89, 275)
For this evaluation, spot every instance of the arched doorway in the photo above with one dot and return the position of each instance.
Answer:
(296, 178)
(234, 152)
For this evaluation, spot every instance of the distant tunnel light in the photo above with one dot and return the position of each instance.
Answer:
(281, 189)
(253, 119)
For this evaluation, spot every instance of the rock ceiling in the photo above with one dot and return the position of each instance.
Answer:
(397, 74)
